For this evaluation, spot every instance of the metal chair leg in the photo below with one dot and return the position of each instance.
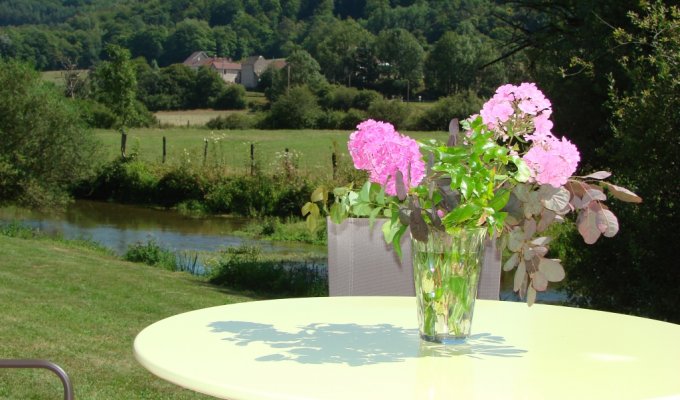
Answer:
(33, 363)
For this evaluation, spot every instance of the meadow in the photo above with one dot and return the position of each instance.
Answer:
(81, 308)
(311, 149)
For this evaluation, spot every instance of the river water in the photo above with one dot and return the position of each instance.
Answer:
(117, 226)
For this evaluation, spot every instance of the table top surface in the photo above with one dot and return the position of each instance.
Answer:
(369, 348)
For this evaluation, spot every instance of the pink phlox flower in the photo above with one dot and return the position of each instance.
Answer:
(553, 161)
(377, 148)
(496, 111)
(542, 128)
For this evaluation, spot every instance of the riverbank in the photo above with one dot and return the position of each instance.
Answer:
(81, 307)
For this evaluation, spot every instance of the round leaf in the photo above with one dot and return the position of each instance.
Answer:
(552, 269)
(607, 222)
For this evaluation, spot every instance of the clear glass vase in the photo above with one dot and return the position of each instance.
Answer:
(446, 272)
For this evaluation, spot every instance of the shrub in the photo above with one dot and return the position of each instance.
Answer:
(151, 253)
(233, 97)
(460, 105)
(96, 115)
(125, 180)
(339, 98)
(45, 146)
(297, 109)
(330, 119)
(179, 184)
(364, 99)
(244, 268)
(352, 118)
(232, 121)
(393, 111)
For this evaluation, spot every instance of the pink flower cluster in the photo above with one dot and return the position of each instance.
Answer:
(551, 160)
(377, 148)
(525, 100)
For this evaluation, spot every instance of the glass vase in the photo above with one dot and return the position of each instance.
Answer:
(446, 272)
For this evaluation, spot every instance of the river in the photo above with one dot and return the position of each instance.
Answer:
(117, 226)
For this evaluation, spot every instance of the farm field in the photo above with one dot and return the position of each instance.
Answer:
(231, 148)
(191, 117)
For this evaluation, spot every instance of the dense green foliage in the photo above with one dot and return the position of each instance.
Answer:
(246, 268)
(44, 146)
(375, 44)
(151, 253)
(134, 181)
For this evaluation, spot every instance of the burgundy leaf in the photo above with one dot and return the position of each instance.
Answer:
(599, 175)
(623, 194)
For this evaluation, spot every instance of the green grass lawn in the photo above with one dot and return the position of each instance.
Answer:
(231, 148)
(82, 309)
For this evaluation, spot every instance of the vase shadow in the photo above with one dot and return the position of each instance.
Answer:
(354, 344)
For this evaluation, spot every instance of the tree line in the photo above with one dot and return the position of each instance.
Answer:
(395, 47)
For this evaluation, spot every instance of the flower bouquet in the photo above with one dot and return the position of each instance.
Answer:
(504, 176)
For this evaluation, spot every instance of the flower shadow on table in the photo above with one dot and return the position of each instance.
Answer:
(354, 344)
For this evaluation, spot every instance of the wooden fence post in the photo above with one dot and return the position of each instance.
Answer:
(123, 142)
(334, 162)
(205, 150)
(252, 159)
(164, 152)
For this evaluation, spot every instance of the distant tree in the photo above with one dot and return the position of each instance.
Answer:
(115, 83)
(401, 56)
(233, 97)
(226, 41)
(297, 109)
(302, 69)
(45, 147)
(189, 36)
(148, 43)
(207, 87)
(335, 45)
(455, 64)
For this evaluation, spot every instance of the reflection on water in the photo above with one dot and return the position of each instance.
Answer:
(117, 226)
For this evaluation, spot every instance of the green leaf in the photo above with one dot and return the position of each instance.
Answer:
(396, 240)
(500, 199)
(319, 195)
(311, 223)
(387, 231)
(380, 196)
(337, 213)
(460, 214)
(373, 215)
(311, 209)
(362, 209)
(523, 172)
(305, 208)
(365, 193)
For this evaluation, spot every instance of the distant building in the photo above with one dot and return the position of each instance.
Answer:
(246, 73)
(253, 67)
(228, 70)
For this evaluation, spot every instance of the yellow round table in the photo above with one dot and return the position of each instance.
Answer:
(369, 348)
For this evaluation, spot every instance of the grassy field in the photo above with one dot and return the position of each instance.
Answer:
(231, 148)
(82, 309)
